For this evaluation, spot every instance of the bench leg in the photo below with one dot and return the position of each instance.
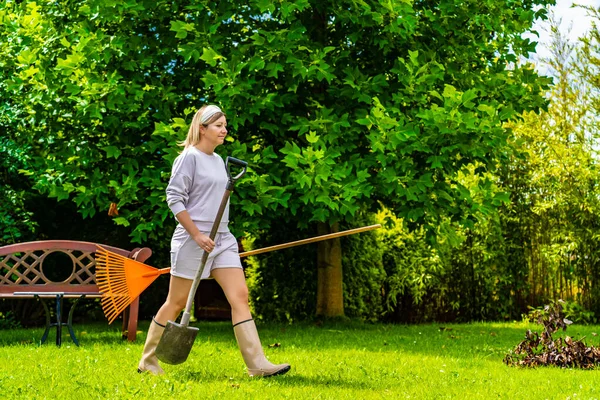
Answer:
(59, 301)
(125, 327)
(70, 320)
(132, 321)
(48, 323)
(59, 324)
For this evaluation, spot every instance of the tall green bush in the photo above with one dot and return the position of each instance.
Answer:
(16, 222)
(282, 284)
(364, 273)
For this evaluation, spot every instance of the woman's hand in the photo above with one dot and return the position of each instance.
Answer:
(204, 242)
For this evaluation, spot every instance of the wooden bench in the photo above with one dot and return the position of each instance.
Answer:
(29, 270)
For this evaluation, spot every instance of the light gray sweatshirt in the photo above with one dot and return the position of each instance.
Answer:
(197, 184)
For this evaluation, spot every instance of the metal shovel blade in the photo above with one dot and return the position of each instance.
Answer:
(176, 343)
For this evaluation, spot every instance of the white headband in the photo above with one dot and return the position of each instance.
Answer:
(209, 112)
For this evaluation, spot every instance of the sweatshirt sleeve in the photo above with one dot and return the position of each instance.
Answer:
(178, 189)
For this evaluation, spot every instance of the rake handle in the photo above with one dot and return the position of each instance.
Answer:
(309, 240)
(163, 271)
(158, 272)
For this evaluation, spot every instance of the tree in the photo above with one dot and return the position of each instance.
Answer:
(338, 106)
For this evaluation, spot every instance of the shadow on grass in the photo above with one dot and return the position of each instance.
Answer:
(292, 379)
(297, 380)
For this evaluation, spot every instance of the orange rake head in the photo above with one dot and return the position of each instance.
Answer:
(121, 280)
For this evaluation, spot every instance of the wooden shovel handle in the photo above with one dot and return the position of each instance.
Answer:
(309, 240)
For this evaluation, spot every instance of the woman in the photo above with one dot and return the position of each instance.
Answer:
(197, 184)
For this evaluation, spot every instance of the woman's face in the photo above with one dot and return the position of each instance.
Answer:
(215, 133)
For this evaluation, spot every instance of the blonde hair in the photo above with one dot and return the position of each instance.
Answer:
(193, 136)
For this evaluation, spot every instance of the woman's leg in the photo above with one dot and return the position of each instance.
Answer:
(179, 289)
(233, 283)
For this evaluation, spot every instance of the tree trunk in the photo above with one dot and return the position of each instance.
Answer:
(330, 296)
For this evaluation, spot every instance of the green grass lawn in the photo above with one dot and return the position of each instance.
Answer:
(332, 361)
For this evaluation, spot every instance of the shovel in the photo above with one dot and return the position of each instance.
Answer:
(177, 340)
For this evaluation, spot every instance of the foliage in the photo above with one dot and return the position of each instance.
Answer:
(366, 111)
(572, 311)
(483, 278)
(8, 321)
(551, 317)
(412, 268)
(589, 54)
(364, 273)
(81, 108)
(588, 70)
(338, 107)
(282, 284)
(537, 350)
(380, 267)
(16, 222)
(553, 182)
(469, 275)
(358, 107)
(578, 314)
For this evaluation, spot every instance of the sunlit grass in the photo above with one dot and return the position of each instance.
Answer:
(331, 361)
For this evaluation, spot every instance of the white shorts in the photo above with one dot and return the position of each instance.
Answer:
(186, 254)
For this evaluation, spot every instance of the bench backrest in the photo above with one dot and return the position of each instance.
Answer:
(22, 266)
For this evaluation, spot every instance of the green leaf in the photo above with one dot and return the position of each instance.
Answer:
(182, 28)
(27, 57)
(449, 91)
(312, 137)
(467, 98)
(112, 151)
(501, 198)
(414, 57)
(436, 161)
(487, 109)
(210, 56)
(121, 221)
(506, 113)
(364, 121)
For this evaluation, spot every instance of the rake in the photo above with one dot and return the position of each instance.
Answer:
(121, 280)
